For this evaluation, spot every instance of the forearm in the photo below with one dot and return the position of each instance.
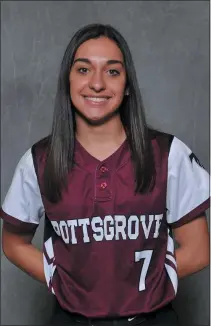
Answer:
(188, 262)
(29, 259)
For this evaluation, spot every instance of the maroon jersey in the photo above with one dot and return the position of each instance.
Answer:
(108, 252)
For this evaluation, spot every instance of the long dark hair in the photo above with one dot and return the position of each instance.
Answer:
(60, 148)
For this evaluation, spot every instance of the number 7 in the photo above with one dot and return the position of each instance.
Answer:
(146, 255)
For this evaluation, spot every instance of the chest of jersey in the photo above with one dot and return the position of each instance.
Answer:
(101, 203)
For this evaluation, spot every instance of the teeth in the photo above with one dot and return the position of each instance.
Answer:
(96, 99)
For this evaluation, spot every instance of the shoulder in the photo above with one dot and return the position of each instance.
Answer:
(26, 164)
(162, 139)
(40, 151)
(160, 135)
(41, 146)
(178, 147)
(170, 142)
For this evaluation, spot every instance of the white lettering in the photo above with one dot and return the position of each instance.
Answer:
(110, 235)
(145, 228)
(72, 224)
(84, 222)
(99, 229)
(158, 219)
(64, 231)
(117, 227)
(120, 228)
(56, 227)
(131, 220)
(147, 256)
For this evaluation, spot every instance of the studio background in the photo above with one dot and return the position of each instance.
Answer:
(169, 41)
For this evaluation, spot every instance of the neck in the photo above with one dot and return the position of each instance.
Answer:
(110, 132)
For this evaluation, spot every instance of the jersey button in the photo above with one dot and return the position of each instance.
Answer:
(103, 169)
(103, 185)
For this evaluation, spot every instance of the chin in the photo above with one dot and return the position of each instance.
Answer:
(97, 120)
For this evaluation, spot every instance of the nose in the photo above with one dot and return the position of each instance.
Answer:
(97, 82)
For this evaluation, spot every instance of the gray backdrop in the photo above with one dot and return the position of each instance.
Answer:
(169, 41)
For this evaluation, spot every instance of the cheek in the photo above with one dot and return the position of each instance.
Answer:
(117, 84)
(76, 85)
(74, 94)
(73, 90)
(119, 90)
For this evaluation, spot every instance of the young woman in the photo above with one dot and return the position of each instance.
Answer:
(113, 191)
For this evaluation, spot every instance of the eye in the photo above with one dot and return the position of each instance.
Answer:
(114, 72)
(83, 70)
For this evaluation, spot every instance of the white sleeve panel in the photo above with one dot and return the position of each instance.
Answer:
(188, 190)
(23, 201)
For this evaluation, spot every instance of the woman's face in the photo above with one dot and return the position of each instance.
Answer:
(97, 79)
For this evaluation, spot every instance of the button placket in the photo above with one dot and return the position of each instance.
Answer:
(102, 182)
(103, 185)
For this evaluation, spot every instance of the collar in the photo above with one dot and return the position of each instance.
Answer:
(113, 162)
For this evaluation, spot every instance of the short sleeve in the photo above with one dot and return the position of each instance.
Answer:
(23, 205)
(188, 191)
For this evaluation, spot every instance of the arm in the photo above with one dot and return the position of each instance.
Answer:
(188, 198)
(193, 252)
(21, 212)
(19, 250)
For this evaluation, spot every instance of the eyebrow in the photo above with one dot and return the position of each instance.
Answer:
(109, 62)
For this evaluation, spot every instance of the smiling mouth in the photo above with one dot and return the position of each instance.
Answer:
(96, 99)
